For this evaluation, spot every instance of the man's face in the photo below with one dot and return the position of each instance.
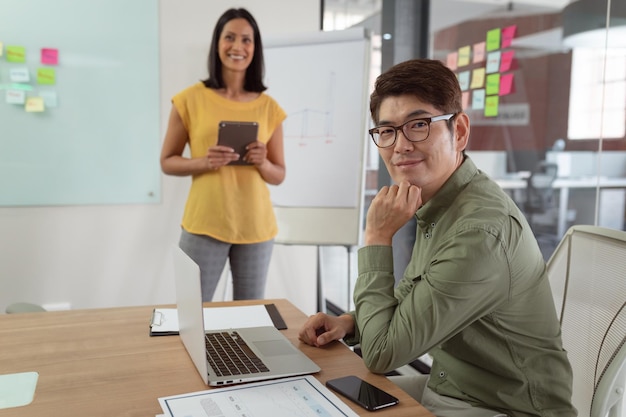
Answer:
(427, 164)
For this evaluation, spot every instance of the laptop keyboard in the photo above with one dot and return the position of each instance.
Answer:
(228, 354)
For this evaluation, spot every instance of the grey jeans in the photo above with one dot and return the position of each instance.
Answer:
(248, 264)
(439, 405)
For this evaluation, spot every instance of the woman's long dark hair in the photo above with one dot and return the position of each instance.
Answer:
(255, 72)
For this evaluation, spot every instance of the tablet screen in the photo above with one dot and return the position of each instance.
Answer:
(237, 135)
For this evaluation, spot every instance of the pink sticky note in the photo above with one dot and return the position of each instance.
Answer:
(506, 59)
(49, 56)
(506, 84)
(508, 33)
(452, 59)
(479, 52)
(465, 98)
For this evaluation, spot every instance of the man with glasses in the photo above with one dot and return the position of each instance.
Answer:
(475, 295)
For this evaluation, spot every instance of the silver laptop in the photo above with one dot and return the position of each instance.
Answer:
(269, 354)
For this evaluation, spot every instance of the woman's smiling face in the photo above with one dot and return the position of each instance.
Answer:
(236, 45)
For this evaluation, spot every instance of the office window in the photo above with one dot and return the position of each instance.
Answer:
(597, 106)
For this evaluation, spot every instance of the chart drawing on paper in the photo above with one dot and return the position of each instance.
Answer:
(322, 89)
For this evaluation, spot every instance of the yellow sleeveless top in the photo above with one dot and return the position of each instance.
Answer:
(233, 203)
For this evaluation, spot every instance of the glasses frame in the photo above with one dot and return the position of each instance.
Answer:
(428, 121)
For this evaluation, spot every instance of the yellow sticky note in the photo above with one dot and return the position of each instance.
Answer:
(1, 48)
(464, 56)
(491, 106)
(478, 78)
(34, 104)
(493, 39)
(46, 76)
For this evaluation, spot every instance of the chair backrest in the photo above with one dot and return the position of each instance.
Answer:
(23, 307)
(540, 192)
(588, 278)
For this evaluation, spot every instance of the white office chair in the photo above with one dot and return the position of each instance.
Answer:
(588, 278)
(23, 307)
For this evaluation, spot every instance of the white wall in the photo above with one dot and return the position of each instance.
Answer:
(105, 256)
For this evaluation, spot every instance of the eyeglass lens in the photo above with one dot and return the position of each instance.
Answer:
(414, 130)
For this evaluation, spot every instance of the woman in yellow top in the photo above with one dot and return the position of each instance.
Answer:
(228, 214)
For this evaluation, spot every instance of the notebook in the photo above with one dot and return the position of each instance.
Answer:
(277, 356)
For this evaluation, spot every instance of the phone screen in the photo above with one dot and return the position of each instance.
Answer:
(362, 393)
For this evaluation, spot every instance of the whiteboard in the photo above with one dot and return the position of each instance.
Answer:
(97, 140)
(321, 80)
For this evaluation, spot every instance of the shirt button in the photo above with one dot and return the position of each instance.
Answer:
(442, 374)
(432, 225)
(427, 235)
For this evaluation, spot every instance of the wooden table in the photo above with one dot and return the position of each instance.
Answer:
(102, 362)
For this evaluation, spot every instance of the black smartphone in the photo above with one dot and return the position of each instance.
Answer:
(361, 392)
(237, 135)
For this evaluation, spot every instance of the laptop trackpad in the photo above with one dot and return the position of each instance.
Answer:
(274, 347)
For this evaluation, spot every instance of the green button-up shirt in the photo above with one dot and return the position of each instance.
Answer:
(476, 296)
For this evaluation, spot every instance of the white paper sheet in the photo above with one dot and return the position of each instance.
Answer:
(215, 318)
(288, 397)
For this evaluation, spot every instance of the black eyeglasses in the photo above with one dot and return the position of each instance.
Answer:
(416, 130)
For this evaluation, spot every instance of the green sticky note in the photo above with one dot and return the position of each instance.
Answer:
(17, 390)
(493, 39)
(46, 76)
(491, 106)
(16, 54)
(493, 84)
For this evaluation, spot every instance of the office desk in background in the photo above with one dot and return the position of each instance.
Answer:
(102, 362)
(617, 204)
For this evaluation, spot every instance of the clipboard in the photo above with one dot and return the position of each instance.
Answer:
(237, 135)
(164, 321)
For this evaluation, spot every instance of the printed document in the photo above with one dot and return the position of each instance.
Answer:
(297, 396)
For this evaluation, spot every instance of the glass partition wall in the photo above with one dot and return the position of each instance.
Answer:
(544, 83)
(545, 88)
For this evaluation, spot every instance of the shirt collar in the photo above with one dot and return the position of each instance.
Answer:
(432, 211)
